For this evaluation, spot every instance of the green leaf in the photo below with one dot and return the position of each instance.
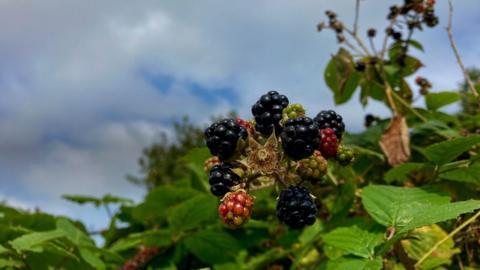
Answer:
(75, 235)
(197, 156)
(3, 249)
(33, 241)
(421, 240)
(213, 246)
(10, 262)
(341, 76)
(357, 264)
(441, 153)
(107, 199)
(354, 240)
(434, 101)
(470, 174)
(159, 238)
(91, 258)
(409, 208)
(157, 202)
(79, 199)
(193, 212)
(416, 44)
(401, 172)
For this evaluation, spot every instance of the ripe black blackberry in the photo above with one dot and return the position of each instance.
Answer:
(268, 112)
(222, 178)
(296, 208)
(360, 66)
(330, 119)
(222, 137)
(300, 137)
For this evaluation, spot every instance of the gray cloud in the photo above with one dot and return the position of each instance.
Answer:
(76, 111)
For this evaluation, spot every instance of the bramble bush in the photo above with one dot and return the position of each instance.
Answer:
(285, 191)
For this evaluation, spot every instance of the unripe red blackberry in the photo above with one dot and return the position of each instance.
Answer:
(268, 112)
(247, 125)
(300, 137)
(222, 178)
(328, 143)
(236, 208)
(222, 137)
(345, 155)
(296, 208)
(330, 119)
(313, 167)
(209, 163)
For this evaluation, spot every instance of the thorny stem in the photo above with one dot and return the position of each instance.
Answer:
(404, 103)
(359, 40)
(385, 40)
(457, 54)
(450, 235)
(389, 92)
(372, 45)
(357, 15)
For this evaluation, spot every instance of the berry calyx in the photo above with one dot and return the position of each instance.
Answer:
(296, 208)
(300, 137)
(268, 112)
(222, 137)
(328, 143)
(236, 208)
(222, 178)
(331, 119)
(313, 167)
(209, 163)
(345, 155)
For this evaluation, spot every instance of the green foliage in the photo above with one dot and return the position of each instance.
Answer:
(435, 101)
(372, 215)
(341, 77)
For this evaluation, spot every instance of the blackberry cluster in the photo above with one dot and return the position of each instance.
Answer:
(297, 151)
(268, 112)
(300, 137)
(296, 208)
(222, 137)
(222, 178)
(330, 119)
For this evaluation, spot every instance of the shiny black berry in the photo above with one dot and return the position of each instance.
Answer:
(222, 137)
(360, 66)
(222, 178)
(300, 137)
(296, 208)
(268, 112)
(330, 119)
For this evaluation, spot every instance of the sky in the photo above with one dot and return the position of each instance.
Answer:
(86, 85)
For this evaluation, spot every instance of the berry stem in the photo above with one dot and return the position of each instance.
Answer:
(450, 235)
(457, 54)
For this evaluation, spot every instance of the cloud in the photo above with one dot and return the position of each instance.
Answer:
(85, 87)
